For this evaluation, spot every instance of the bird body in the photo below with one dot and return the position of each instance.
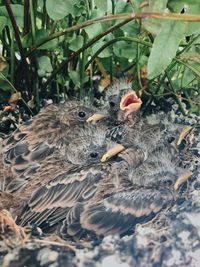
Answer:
(68, 185)
(104, 199)
(36, 140)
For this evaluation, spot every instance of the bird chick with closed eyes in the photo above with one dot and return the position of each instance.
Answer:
(86, 149)
(73, 170)
(128, 195)
(50, 130)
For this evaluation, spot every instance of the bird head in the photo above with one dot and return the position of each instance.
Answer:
(92, 146)
(158, 170)
(122, 100)
(75, 112)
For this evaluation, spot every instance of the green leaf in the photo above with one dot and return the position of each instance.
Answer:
(105, 53)
(4, 85)
(165, 46)
(76, 43)
(96, 28)
(78, 10)
(60, 8)
(131, 29)
(93, 30)
(40, 3)
(123, 7)
(3, 22)
(189, 7)
(153, 25)
(102, 5)
(44, 66)
(187, 78)
(125, 49)
(75, 77)
(18, 11)
(40, 35)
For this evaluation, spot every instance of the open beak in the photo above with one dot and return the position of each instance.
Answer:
(112, 152)
(96, 117)
(130, 103)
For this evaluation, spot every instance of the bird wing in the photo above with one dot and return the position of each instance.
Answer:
(32, 139)
(51, 201)
(118, 213)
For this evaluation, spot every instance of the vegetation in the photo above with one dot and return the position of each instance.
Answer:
(56, 49)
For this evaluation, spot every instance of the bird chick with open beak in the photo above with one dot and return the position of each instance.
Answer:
(121, 103)
(122, 100)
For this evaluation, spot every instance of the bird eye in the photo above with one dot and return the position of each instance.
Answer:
(81, 114)
(170, 139)
(112, 104)
(94, 155)
(168, 182)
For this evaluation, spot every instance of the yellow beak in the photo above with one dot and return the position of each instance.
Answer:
(96, 117)
(181, 179)
(112, 152)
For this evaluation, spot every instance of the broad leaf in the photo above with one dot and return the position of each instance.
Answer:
(105, 53)
(3, 22)
(165, 46)
(40, 35)
(44, 66)
(76, 43)
(153, 25)
(18, 11)
(60, 8)
(125, 49)
(189, 7)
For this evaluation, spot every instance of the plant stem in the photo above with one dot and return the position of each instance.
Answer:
(118, 39)
(19, 43)
(15, 90)
(26, 17)
(188, 66)
(32, 21)
(12, 57)
(122, 16)
(90, 43)
(174, 91)
(138, 66)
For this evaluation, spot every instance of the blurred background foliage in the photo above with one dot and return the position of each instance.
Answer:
(71, 48)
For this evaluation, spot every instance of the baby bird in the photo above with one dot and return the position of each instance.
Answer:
(121, 101)
(105, 198)
(72, 170)
(128, 195)
(33, 142)
(127, 125)
(85, 150)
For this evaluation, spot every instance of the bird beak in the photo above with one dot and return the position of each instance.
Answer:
(130, 103)
(181, 179)
(96, 117)
(112, 152)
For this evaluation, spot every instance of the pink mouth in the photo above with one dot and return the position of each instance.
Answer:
(131, 102)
